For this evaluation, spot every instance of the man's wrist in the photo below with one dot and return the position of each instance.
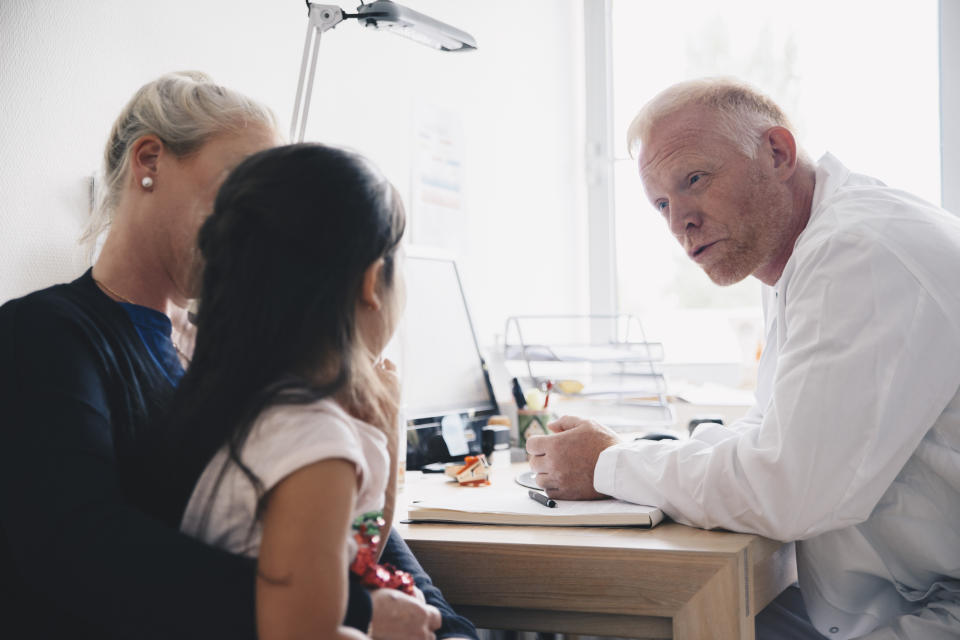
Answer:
(605, 471)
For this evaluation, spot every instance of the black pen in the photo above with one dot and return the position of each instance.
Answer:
(542, 499)
(518, 394)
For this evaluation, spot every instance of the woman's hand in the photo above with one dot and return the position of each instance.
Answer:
(388, 399)
(379, 406)
(397, 616)
(386, 372)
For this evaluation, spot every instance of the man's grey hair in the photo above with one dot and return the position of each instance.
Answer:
(744, 113)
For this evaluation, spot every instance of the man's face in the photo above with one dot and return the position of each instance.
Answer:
(728, 211)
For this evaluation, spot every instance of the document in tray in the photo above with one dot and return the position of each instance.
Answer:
(516, 508)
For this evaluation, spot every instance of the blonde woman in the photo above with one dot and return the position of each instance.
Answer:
(88, 364)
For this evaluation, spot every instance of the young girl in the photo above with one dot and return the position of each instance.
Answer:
(284, 428)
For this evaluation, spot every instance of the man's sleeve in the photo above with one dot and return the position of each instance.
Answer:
(397, 553)
(69, 532)
(868, 365)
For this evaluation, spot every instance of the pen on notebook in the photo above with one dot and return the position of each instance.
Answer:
(518, 394)
(542, 498)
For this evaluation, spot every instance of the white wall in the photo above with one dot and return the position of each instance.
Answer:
(68, 68)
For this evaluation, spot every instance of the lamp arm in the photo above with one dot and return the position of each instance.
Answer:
(322, 18)
(380, 14)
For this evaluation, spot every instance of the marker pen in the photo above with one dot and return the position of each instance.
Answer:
(542, 498)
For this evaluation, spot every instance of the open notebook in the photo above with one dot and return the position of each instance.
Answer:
(517, 508)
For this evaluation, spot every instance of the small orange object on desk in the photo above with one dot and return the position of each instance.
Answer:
(474, 472)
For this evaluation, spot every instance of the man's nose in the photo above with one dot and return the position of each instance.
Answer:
(684, 216)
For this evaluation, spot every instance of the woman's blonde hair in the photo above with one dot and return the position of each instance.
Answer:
(744, 113)
(184, 109)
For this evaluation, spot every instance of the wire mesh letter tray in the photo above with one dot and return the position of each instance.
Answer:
(608, 355)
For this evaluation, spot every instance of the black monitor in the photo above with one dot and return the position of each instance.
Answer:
(447, 397)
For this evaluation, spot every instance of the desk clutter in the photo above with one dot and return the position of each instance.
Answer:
(474, 472)
(505, 498)
(603, 360)
(455, 438)
(589, 363)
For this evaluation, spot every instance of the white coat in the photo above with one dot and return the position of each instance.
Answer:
(853, 445)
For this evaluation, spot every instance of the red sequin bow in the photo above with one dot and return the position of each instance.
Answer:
(366, 532)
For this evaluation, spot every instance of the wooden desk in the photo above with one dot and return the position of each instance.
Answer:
(668, 582)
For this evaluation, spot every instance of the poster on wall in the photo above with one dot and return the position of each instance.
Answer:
(437, 212)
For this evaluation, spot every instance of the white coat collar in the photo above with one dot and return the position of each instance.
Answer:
(830, 175)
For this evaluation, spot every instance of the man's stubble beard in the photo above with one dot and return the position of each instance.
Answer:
(760, 235)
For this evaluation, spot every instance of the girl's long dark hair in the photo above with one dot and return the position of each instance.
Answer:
(292, 232)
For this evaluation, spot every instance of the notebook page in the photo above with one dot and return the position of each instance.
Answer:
(476, 500)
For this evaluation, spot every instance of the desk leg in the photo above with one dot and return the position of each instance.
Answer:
(718, 610)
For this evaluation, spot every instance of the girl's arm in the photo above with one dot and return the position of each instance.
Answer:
(303, 565)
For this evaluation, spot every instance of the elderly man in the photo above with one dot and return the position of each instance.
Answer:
(853, 445)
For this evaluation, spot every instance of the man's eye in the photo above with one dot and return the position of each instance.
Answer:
(695, 178)
(662, 205)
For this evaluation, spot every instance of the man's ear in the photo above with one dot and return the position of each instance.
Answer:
(145, 157)
(781, 146)
(369, 288)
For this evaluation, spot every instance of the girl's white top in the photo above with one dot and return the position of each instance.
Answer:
(284, 438)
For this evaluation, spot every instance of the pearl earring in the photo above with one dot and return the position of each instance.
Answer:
(147, 182)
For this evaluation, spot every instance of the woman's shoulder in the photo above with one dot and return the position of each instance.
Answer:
(64, 317)
(59, 303)
(73, 336)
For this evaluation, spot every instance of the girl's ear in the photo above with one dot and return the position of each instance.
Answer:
(369, 289)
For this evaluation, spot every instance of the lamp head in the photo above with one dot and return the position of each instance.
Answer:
(381, 14)
(390, 16)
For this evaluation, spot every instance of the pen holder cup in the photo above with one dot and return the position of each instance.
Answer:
(532, 422)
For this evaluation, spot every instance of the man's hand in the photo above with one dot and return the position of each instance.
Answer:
(397, 616)
(564, 462)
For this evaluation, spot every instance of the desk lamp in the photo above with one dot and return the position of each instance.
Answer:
(382, 14)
